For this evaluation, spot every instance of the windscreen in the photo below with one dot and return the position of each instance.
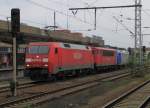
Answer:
(38, 50)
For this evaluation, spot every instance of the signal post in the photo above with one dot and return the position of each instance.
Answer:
(15, 29)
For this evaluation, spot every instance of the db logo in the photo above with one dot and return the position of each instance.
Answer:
(77, 56)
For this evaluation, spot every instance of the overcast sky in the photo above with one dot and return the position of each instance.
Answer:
(107, 27)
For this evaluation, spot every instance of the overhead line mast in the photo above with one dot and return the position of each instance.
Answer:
(137, 35)
(138, 31)
(104, 7)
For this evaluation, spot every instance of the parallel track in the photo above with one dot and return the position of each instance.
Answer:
(36, 99)
(146, 103)
(138, 97)
(10, 69)
(21, 86)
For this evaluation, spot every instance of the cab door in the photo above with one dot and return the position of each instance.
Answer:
(57, 57)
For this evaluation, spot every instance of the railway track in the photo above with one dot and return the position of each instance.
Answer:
(23, 85)
(138, 97)
(146, 103)
(20, 86)
(10, 69)
(44, 96)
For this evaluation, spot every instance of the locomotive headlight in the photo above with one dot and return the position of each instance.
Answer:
(27, 65)
(28, 60)
(46, 65)
(45, 59)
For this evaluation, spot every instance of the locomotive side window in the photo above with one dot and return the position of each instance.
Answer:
(108, 53)
(56, 50)
(67, 45)
(38, 50)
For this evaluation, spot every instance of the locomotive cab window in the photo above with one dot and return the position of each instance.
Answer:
(33, 50)
(43, 50)
(38, 50)
(108, 53)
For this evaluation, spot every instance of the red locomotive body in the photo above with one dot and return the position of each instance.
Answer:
(104, 57)
(55, 58)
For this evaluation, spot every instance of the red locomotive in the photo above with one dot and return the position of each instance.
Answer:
(48, 59)
(56, 59)
(104, 57)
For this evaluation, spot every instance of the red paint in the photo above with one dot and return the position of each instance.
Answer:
(100, 59)
(63, 58)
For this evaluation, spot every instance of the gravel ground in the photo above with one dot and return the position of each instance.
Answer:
(52, 86)
(94, 97)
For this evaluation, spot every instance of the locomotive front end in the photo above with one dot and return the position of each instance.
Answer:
(37, 61)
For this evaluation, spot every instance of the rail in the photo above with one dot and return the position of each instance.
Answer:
(73, 88)
(125, 95)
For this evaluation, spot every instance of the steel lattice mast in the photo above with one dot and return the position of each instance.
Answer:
(138, 30)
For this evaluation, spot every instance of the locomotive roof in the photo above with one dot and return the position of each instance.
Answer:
(122, 51)
(62, 45)
(43, 43)
(101, 48)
